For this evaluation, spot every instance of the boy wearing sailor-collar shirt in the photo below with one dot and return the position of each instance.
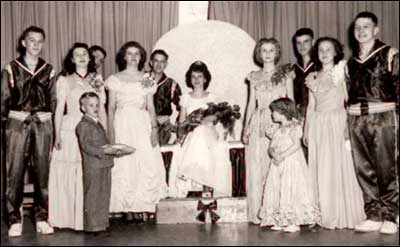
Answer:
(27, 101)
(373, 91)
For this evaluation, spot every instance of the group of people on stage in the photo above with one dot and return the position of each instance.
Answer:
(319, 135)
(343, 120)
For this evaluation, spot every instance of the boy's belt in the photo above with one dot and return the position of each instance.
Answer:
(365, 108)
(162, 119)
(23, 115)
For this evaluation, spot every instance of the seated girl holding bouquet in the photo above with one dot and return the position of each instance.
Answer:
(201, 163)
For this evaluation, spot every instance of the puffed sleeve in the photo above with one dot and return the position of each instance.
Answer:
(62, 89)
(251, 78)
(184, 101)
(338, 73)
(112, 83)
(296, 132)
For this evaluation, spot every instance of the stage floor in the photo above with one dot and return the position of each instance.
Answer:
(197, 234)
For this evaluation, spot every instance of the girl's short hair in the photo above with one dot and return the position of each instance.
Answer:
(257, 50)
(32, 29)
(120, 58)
(70, 67)
(286, 107)
(198, 66)
(338, 49)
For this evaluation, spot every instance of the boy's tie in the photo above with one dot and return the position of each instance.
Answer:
(99, 123)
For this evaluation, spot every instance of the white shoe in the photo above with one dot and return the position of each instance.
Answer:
(277, 228)
(292, 228)
(15, 230)
(388, 227)
(44, 228)
(368, 226)
(312, 226)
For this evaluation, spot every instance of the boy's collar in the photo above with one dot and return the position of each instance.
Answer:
(91, 117)
(40, 65)
(162, 78)
(378, 45)
(309, 65)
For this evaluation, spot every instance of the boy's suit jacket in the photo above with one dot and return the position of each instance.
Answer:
(91, 138)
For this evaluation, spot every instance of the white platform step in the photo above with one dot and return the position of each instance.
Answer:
(178, 211)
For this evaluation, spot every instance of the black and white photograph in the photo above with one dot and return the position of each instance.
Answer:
(202, 123)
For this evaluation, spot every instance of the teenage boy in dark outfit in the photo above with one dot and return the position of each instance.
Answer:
(28, 98)
(373, 87)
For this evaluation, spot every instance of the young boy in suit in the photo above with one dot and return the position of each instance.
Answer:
(96, 165)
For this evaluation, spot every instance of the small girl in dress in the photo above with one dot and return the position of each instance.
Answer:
(288, 199)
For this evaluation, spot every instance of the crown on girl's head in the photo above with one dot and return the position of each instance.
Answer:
(198, 62)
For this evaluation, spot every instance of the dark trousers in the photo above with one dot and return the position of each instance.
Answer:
(27, 142)
(165, 132)
(96, 198)
(373, 138)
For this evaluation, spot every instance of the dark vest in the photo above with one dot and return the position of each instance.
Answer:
(30, 92)
(300, 90)
(370, 80)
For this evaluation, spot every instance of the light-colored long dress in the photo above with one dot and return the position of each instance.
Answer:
(288, 193)
(65, 178)
(333, 174)
(257, 157)
(203, 158)
(138, 180)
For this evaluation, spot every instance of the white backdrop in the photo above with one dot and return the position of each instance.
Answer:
(225, 48)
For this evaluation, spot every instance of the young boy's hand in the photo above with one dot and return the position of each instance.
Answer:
(108, 149)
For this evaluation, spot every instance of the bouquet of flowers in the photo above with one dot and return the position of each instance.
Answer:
(221, 112)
